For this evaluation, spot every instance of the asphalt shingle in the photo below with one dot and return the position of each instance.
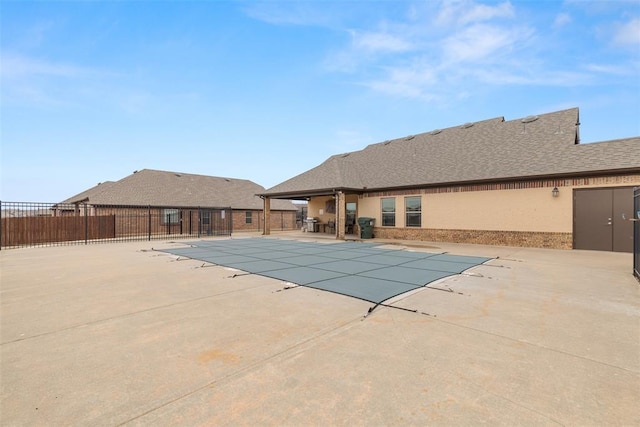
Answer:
(494, 149)
(163, 188)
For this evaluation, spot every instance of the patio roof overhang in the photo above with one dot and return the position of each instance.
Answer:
(307, 194)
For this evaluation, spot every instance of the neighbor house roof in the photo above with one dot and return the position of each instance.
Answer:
(491, 150)
(91, 192)
(173, 189)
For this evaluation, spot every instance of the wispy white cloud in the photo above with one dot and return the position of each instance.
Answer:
(628, 33)
(49, 84)
(18, 66)
(463, 12)
(562, 19)
(367, 47)
(413, 81)
(612, 69)
(35, 81)
(433, 49)
(532, 77)
(439, 50)
(479, 42)
(290, 13)
(379, 41)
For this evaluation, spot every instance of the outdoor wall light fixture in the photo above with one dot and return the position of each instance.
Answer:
(555, 192)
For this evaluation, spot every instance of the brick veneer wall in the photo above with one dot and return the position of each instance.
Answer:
(280, 220)
(613, 180)
(240, 224)
(481, 237)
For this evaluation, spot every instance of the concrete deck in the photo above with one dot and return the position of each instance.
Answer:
(117, 334)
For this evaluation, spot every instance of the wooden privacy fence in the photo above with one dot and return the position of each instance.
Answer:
(44, 224)
(37, 230)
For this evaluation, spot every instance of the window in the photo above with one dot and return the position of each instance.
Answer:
(248, 218)
(413, 211)
(170, 216)
(389, 212)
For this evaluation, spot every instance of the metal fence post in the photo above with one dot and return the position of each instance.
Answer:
(1, 225)
(636, 232)
(149, 215)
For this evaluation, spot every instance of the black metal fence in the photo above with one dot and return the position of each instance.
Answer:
(26, 224)
(636, 232)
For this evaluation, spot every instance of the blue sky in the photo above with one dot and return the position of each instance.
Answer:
(92, 91)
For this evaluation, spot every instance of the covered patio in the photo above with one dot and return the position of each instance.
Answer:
(330, 211)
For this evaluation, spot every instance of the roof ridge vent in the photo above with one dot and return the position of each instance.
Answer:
(467, 125)
(387, 142)
(409, 138)
(529, 119)
(435, 131)
(345, 155)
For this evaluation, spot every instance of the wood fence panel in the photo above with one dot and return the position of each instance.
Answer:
(34, 230)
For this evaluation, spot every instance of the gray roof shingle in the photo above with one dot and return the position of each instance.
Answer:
(173, 189)
(489, 150)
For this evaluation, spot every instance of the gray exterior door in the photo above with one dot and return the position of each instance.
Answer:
(599, 219)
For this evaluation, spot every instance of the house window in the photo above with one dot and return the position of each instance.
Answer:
(389, 212)
(170, 216)
(248, 219)
(413, 211)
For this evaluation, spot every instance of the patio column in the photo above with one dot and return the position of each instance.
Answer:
(341, 215)
(267, 216)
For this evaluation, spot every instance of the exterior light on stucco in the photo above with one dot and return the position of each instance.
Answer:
(555, 192)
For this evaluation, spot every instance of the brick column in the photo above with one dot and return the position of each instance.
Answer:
(267, 216)
(341, 215)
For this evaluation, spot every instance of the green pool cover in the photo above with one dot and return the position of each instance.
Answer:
(358, 269)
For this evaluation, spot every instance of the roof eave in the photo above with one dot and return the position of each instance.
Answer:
(561, 175)
(304, 194)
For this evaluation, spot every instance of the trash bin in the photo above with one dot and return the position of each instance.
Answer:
(366, 227)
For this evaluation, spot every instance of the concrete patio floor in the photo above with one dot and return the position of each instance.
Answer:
(119, 334)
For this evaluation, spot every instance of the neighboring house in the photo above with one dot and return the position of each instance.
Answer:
(524, 182)
(185, 199)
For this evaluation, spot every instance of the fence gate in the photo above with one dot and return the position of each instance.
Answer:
(636, 232)
(215, 222)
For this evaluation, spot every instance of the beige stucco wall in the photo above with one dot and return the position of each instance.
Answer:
(513, 210)
(529, 209)
(317, 208)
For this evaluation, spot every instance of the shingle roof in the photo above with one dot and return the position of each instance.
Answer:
(173, 189)
(91, 192)
(489, 150)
